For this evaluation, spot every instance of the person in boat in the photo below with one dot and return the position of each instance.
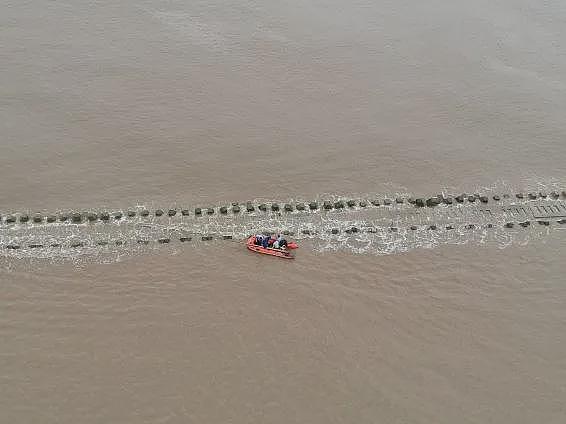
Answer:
(281, 242)
(273, 242)
(265, 242)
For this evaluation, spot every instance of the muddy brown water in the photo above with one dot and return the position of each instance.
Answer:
(163, 103)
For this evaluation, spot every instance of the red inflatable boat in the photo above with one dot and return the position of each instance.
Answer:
(250, 243)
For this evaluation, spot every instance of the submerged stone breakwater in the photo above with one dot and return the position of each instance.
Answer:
(79, 217)
(379, 225)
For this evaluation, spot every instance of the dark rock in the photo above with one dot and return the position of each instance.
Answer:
(421, 203)
(119, 243)
(399, 200)
(496, 198)
(470, 226)
(449, 227)
(24, 218)
(131, 214)
(393, 229)
(185, 212)
(313, 206)
(363, 204)
(142, 241)
(411, 200)
(55, 245)
(288, 207)
(471, 198)
(102, 243)
(210, 211)
(433, 201)
(351, 203)
(184, 239)
(555, 195)
(355, 229)
(520, 196)
(206, 238)
(144, 213)
(335, 231)
(35, 246)
(375, 202)
(300, 206)
(562, 221)
(339, 204)
(77, 244)
(447, 200)
(460, 198)
(164, 240)
(306, 232)
(545, 223)
(223, 210)
(13, 246)
(91, 216)
(509, 225)
(275, 207)
(433, 227)
(76, 218)
(227, 237)
(543, 195)
(262, 207)
(387, 202)
(506, 196)
(525, 224)
(489, 225)
(159, 212)
(249, 207)
(414, 227)
(51, 219)
(37, 218)
(327, 205)
(532, 196)
(236, 209)
(198, 211)
(118, 216)
(484, 199)
(10, 219)
(63, 218)
(105, 216)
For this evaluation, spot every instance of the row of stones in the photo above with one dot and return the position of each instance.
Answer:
(333, 231)
(434, 227)
(80, 217)
(77, 244)
(449, 200)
